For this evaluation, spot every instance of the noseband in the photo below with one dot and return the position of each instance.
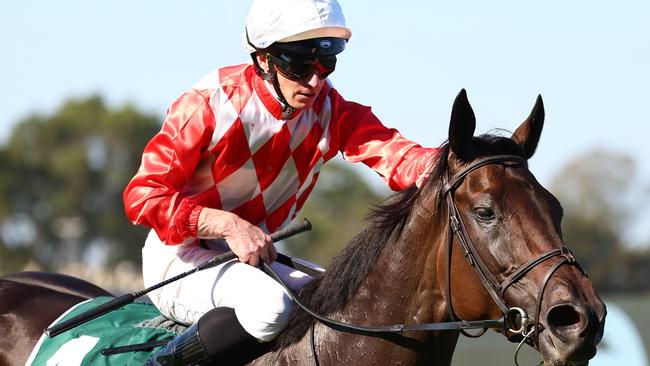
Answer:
(495, 288)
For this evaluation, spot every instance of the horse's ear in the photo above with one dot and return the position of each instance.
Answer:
(528, 133)
(461, 127)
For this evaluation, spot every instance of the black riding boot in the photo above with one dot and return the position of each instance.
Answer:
(216, 339)
(185, 349)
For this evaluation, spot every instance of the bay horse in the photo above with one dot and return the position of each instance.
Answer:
(479, 237)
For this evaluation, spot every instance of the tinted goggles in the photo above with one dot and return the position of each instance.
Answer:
(299, 68)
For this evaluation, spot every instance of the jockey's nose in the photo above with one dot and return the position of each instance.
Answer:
(314, 80)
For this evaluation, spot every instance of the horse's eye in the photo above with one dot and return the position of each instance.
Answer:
(484, 213)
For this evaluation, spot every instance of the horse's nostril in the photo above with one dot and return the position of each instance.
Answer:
(563, 316)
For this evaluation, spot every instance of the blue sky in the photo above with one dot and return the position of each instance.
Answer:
(589, 60)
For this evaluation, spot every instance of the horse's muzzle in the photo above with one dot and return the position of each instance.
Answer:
(573, 331)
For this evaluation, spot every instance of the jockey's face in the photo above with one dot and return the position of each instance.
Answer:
(298, 93)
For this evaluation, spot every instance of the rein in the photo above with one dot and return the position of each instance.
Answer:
(495, 288)
(388, 329)
(472, 255)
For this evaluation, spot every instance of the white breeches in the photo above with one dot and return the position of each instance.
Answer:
(261, 304)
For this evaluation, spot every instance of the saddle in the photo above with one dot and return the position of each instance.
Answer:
(107, 340)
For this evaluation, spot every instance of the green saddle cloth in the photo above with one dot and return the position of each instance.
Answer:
(128, 325)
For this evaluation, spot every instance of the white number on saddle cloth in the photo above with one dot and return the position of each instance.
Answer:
(73, 352)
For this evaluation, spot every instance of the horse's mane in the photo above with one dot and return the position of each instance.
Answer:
(351, 266)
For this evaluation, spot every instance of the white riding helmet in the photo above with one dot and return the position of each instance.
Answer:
(271, 21)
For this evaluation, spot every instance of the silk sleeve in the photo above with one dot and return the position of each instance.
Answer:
(154, 196)
(363, 138)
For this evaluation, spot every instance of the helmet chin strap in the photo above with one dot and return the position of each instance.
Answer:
(272, 77)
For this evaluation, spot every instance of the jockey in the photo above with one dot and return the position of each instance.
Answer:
(234, 161)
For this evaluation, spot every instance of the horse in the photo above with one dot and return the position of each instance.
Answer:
(478, 238)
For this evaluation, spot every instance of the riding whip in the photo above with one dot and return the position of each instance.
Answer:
(118, 302)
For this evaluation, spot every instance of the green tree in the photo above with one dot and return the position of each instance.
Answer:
(336, 208)
(597, 191)
(13, 257)
(62, 200)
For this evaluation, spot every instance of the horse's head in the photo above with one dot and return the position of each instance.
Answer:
(510, 226)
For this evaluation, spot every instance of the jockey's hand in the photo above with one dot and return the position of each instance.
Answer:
(430, 161)
(247, 241)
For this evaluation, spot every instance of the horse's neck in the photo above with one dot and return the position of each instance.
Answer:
(403, 287)
(407, 283)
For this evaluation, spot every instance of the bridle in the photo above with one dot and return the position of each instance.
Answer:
(497, 289)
